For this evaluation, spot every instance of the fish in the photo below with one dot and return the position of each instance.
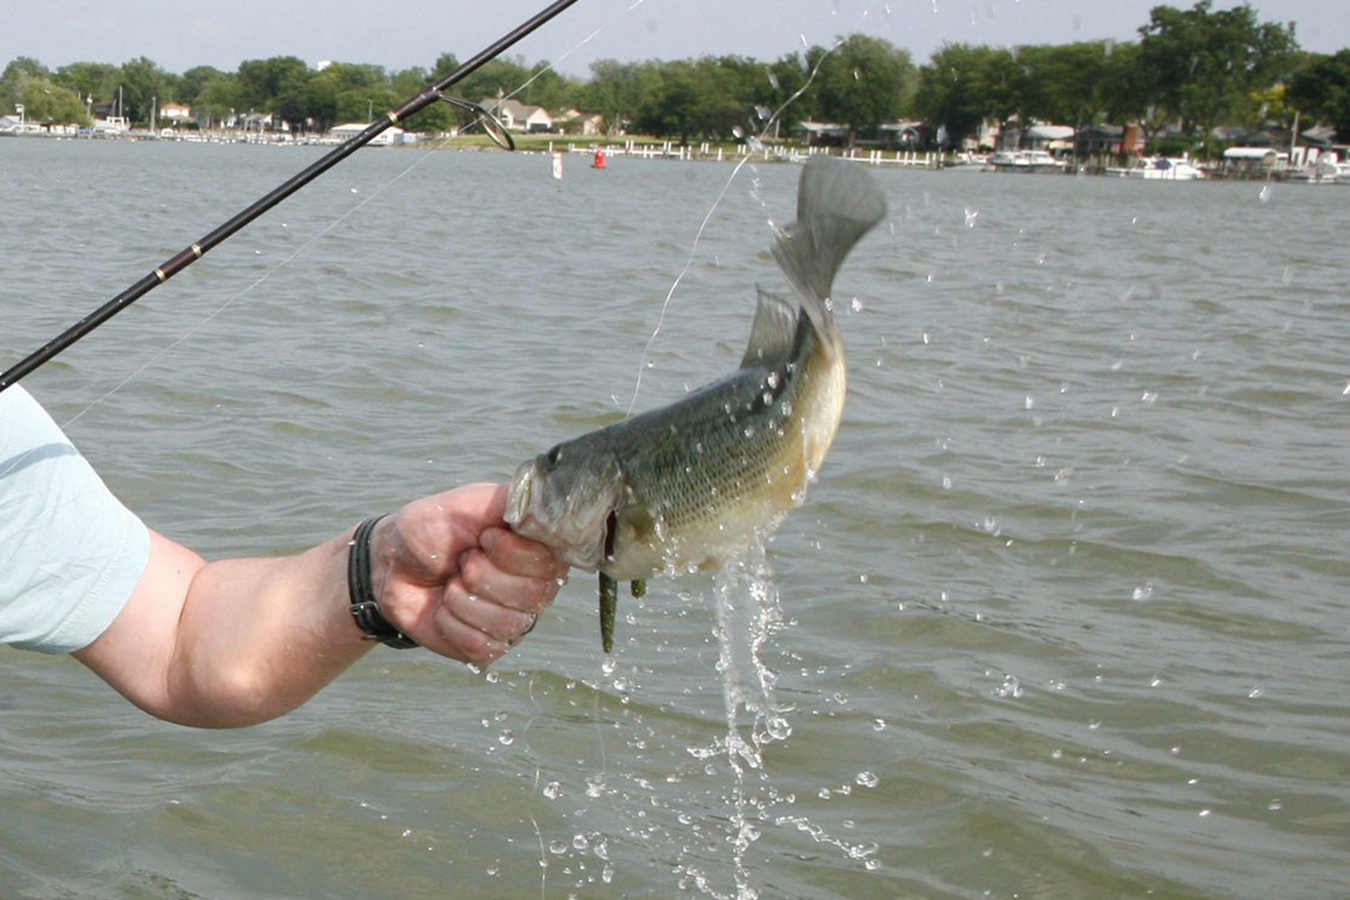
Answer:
(687, 486)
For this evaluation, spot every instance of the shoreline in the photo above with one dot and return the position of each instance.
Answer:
(703, 151)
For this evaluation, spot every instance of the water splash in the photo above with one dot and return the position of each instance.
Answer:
(748, 615)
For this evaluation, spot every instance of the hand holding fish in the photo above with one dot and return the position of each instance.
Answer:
(448, 574)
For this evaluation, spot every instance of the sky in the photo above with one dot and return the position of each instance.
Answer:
(400, 34)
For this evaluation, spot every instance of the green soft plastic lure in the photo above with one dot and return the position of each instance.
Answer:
(609, 606)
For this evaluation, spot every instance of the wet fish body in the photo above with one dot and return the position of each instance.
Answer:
(686, 486)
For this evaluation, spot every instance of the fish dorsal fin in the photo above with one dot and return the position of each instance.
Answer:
(837, 203)
(773, 333)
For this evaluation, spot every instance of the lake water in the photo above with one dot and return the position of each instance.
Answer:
(1067, 614)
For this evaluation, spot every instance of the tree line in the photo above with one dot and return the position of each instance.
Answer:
(1193, 69)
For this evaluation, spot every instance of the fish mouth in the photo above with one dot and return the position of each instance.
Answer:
(576, 536)
(518, 496)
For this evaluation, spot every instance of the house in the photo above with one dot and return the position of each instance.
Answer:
(517, 116)
(823, 134)
(1100, 140)
(1041, 136)
(904, 135)
(576, 122)
(175, 113)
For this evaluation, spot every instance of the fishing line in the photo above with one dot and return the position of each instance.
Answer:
(240, 220)
(440, 145)
(753, 146)
(193, 329)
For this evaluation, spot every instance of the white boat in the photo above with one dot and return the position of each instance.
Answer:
(1163, 168)
(967, 162)
(1025, 161)
(1328, 169)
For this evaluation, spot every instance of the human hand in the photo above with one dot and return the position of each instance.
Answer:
(449, 574)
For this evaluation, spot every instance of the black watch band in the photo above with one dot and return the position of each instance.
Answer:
(365, 609)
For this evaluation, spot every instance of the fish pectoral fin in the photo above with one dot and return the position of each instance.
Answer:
(609, 605)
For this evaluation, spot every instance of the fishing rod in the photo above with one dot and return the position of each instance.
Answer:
(193, 252)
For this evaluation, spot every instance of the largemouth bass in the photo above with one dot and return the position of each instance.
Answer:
(686, 486)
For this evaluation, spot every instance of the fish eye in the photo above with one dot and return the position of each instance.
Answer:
(554, 454)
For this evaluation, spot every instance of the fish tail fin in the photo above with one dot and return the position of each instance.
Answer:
(837, 203)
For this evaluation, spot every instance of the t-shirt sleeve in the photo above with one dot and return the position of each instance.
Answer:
(70, 552)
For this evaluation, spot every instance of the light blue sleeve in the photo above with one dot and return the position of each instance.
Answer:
(70, 553)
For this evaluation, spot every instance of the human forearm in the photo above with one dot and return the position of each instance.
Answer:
(240, 641)
(259, 637)
(232, 642)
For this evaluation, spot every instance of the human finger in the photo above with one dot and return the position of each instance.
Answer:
(521, 556)
(502, 623)
(483, 577)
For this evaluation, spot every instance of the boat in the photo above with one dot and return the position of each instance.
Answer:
(967, 162)
(1163, 168)
(1328, 169)
(1025, 161)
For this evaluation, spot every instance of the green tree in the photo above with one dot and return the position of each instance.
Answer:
(15, 79)
(671, 109)
(262, 82)
(219, 98)
(1064, 83)
(1208, 64)
(863, 82)
(143, 84)
(191, 83)
(788, 77)
(963, 85)
(617, 90)
(93, 82)
(1322, 89)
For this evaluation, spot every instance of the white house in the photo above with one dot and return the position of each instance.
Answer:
(517, 116)
(175, 113)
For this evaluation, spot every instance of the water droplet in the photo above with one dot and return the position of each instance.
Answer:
(1143, 592)
(867, 779)
(738, 132)
(856, 305)
(506, 738)
(553, 790)
(1264, 196)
